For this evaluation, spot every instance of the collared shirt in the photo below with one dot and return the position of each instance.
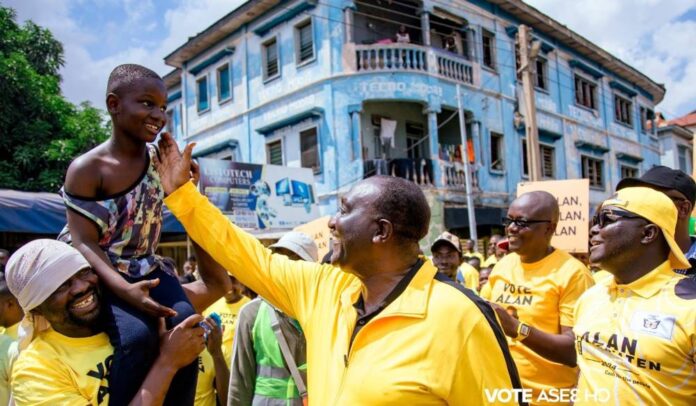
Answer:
(636, 343)
(359, 305)
(691, 256)
(434, 344)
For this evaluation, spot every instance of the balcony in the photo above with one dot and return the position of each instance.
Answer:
(412, 58)
(419, 171)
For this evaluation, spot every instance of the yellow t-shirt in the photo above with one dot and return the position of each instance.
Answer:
(601, 275)
(59, 370)
(228, 315)
(543, 295)
(205, 388)
(399, 357)
(468, 276)
(490, 261)
(474, 254)
(636, 343)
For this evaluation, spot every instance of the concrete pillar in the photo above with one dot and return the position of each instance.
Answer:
(355, 131)
(434, 144)
(425, 27)
(348, 25)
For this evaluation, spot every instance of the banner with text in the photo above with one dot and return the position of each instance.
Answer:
(573, 196)
(319, 231)
(259, 196)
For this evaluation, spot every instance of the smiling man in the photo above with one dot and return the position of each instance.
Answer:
(374, 319)
(65, 356)
(636, 331)
(533, 290)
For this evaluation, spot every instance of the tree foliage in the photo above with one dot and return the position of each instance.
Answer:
(40, 131)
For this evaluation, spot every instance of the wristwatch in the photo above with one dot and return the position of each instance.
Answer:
(523, 330)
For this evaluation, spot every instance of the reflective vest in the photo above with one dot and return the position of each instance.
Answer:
(274, 385)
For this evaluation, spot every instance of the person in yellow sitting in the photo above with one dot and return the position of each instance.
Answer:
(636, 331)
(533, 290)
(374, 319)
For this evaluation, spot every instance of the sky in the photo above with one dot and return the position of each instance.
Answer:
(658, 37)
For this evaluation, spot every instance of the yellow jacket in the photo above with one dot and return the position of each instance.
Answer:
(433, 345)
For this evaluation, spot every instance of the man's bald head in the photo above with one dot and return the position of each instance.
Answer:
(541, 205)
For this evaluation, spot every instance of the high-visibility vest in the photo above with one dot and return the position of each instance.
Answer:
(274, 385)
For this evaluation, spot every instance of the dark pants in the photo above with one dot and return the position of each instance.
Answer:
(135, 339)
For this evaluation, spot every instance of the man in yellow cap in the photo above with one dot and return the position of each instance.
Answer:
(636, 331)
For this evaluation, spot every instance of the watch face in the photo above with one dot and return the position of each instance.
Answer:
(524, 330)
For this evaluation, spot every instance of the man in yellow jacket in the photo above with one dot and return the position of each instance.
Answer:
(375, 318)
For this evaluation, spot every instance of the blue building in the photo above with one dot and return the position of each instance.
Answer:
(329, 85)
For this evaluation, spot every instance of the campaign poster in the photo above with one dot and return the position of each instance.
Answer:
(260, 196)
(573, 196)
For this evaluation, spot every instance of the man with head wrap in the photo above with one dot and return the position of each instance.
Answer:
(65, 356)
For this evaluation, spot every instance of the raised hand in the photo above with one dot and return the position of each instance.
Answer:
(182, 344)
(138, 296)
(174, 167)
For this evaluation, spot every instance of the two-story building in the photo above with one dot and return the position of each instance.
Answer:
(352, 88)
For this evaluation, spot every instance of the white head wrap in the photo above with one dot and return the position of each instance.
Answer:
(33, 273)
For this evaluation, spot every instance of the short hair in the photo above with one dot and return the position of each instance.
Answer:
(192, 258)
(123, 76)
(4, 290)
(403, 203)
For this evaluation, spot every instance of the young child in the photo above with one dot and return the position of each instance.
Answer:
(114, 199)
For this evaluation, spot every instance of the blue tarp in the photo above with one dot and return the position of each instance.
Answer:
(44, 213)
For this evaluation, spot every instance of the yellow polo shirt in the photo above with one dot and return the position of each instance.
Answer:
(399, 356)
(228, 315)
(490, 261)
(636, 343)
(468, 276)
(59, 370)
(543, 295)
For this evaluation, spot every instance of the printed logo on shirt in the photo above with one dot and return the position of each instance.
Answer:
(101, 372)
(658, 325)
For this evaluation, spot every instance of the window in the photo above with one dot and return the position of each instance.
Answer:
(646, 116)
(224, 83)
(203, 99)
(488, 51)
(274, 153)
(628, 171)
(548, 163)
(547, 154)
(540, 75)
(623, 109)
(304, 42)
(497, 152)
(271, 65)
(684, 156)
(309, 150)
(170, 122)
(592, 169)
(585, 92)
(415, 144)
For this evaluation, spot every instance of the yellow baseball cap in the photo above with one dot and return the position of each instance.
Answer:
(658, 209)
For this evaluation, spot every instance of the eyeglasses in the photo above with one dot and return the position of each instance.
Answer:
(507, 221)
(608, 216)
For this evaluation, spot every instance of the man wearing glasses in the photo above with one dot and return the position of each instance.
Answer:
(635, 331)
(681, 189)
(533, 290)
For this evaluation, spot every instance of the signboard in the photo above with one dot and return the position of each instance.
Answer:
(320, 233)
(573, 196)
(259, 196)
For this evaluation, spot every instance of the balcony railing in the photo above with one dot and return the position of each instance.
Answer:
(412, 58)
(419, 171)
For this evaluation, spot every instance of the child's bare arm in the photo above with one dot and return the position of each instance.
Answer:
(85, 238)
(214, 283)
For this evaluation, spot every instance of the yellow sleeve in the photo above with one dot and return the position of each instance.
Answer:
(481, 368)
(579, 281)
(486, 291)
(39, 381)
(291, 286)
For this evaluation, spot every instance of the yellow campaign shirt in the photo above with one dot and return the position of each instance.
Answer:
(474, 254)
(205, 388)
(59, 370)
(601, 275)
(636, 343)
(490, 261)
(228, 315)
(398, 357)
(468, 276)
(543, 295)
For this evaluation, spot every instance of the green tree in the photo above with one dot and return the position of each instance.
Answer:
(40, 131)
